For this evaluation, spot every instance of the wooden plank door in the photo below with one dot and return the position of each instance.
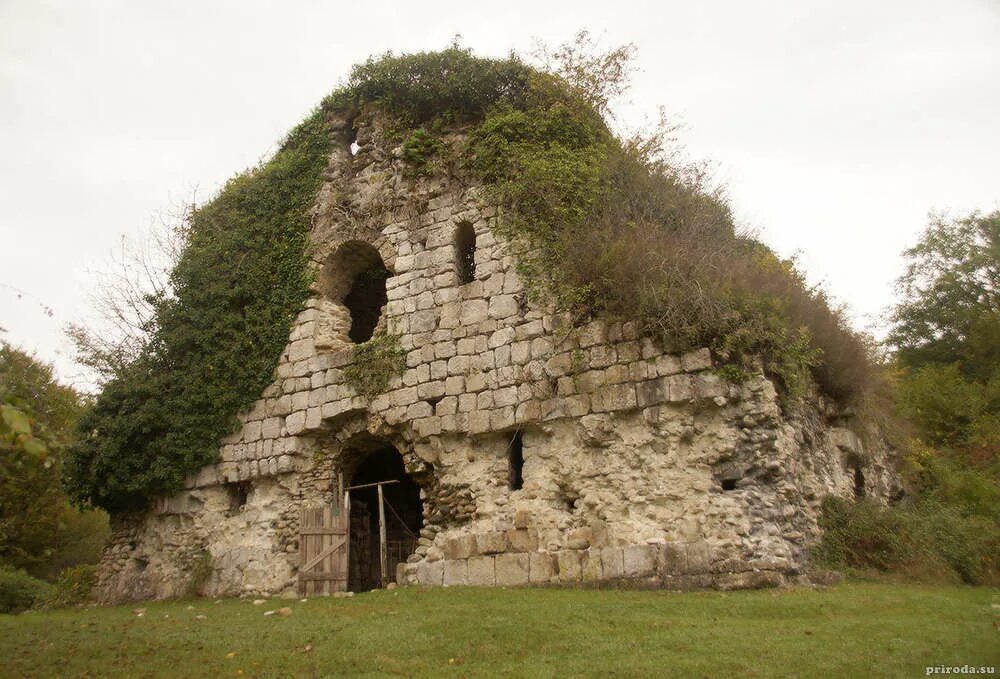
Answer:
(324, 543)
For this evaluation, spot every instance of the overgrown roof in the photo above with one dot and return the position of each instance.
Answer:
(600, 224)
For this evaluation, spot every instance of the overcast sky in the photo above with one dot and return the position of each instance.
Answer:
(837, 125)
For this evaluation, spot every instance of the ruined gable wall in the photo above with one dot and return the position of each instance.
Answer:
(638, 464)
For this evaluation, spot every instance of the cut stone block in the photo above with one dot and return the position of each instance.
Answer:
(591, 569)
(671, 559)
(569, 565)
(639, 560)
(612, 562)
(511, 569)
(461, 547)
(430, 573)
(541, 567)
(481, 571)
(456, 572)
(491, 543)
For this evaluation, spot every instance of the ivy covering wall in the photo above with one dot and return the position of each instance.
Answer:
(236, 289)
(600, 224)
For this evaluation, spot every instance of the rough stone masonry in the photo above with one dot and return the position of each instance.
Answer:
(632, 466)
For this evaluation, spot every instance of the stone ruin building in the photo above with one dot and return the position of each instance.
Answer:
(525, 450)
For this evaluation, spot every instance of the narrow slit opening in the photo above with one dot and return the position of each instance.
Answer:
(515, 462)
(465, 253)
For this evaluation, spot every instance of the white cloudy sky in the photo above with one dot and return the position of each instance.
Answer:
(837, 124)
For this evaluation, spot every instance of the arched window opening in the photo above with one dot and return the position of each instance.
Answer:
(365, 300)
(355, 276)
(515, 462)
(465, 253)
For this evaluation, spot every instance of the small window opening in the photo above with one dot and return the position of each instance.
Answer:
(515, 462)
(238, 495)
(859, 483)
(728, 484)
(434, 400)
(465, 253)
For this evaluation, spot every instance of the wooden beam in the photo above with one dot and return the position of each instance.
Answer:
(383, 560)
(322, 530)
(322, 555)
(370, 485)
(321, 577)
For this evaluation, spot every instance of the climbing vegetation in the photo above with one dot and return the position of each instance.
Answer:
(375, 362)
(419, 150)
(603, 223)
(214, 340)
(621, 225)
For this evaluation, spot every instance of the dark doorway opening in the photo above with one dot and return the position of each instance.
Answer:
(859, 483)
(515, 462)
(403, 513)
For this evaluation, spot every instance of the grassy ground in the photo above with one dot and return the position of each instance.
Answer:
(855, 630)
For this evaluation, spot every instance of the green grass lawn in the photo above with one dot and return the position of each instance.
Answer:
(854, 630)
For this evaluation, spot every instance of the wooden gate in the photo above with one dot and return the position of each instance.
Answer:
(324, 542)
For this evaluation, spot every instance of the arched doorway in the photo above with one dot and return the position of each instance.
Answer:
(381, 465)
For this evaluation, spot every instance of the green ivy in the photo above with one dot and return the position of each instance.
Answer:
(238, 285)
(575, 199)
(375, 363)
(419, 150)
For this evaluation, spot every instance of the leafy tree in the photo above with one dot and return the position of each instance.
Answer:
(946, 335)
(39, 531)
(950, 297)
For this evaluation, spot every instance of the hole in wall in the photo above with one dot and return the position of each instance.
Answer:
(403, 512)
(433, 401)
(356, 276)
(515, 461)
(239, 493)
(352, 142)
(365, 300)
(859, 483)
(465, 253)
(729, 475)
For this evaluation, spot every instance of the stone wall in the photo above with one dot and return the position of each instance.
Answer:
(639, 465)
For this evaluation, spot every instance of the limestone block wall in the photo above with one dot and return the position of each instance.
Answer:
(638, 464)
